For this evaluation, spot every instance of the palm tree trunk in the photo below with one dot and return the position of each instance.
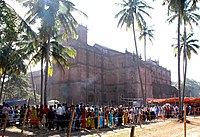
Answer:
(46, 69)
(145, 71)
(184, 64)
(41, 84)
(185, 76)
(179, 72)
(138, 65)
(45, 82)
(33, 85)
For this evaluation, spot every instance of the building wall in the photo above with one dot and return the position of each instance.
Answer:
(36, 80)
(99, 75)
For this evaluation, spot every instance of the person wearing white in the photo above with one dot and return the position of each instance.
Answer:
(59, 114)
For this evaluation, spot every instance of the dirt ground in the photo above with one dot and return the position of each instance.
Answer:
(168, 128)
(171, 128)
(160, 128)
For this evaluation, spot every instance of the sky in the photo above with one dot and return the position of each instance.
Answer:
(102, 29)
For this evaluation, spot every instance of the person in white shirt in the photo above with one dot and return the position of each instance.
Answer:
(59, 114)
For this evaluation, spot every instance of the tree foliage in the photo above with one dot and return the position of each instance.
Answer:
(192, 88)
(191, 45)
(56, 18)
(133, 11)
(17, 87)
(12, 54)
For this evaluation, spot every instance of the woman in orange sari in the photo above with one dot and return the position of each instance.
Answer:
(33, 115)
(125, 116)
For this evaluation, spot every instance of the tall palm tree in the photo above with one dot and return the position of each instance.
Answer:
(11, 55)
(55, 16)
(177, 7)
(188, 45)
(58, 53)
(132, 11)
(187, 16)
(146, 32)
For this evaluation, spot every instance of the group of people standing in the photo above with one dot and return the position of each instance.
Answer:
(57, 117)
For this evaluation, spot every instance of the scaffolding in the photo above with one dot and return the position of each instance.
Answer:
(132, 101)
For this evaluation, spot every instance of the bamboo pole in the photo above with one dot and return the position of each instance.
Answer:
(24, 120)
(140, 122)
(184, 120)
(132, 131)
(5, 124)
(140, 118)
(70, 122)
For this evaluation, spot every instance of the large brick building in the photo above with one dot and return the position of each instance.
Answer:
(99, 75)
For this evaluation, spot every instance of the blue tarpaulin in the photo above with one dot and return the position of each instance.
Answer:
(16, 102)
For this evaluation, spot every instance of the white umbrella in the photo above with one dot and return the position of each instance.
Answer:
(53, 102)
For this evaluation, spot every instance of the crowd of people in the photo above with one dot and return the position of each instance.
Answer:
(57, 117)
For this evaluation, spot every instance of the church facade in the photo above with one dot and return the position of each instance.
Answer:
(99, 75)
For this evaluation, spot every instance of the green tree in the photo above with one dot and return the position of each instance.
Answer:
(188, 46)
(12, 57)
(145, 33)
(12, 62)
(59, 54)
(17, 87)
(55, 16)
(191, 45)
(177, 7)
(192, 88)
(188, 16)
(133, 11)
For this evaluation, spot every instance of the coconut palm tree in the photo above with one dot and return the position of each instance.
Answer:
(55, 16)
(12, 58)
(176, 7)
(58, 52)
(187, 16)
(191, 46)
(11, 55)
(11, 63)
(133, 11)
(146, 32)
(188, 45)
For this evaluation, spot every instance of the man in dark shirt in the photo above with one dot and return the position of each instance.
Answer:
(50, 118)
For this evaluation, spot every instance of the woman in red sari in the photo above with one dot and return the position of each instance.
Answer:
(83, 115)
